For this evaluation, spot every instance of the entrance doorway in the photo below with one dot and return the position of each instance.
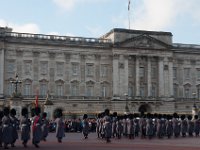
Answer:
(144, 108)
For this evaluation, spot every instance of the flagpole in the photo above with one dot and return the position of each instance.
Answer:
(129, 22)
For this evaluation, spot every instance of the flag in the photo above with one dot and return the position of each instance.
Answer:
(129, 3)
(36, 100)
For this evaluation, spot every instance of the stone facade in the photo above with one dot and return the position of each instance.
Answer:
(143, 70)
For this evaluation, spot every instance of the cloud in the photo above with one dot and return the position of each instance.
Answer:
(68, 5)
(95, 31)
(159, 14)
(23, 28)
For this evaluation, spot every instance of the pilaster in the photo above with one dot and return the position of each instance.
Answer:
(161, 76)
(1, 72)
(115, 75)
(170, 77)
(137, 76)
(149, 76)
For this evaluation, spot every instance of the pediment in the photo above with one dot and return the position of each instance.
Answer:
(144, 41)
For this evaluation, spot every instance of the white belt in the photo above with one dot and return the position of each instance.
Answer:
(5, 125)
(23, 125)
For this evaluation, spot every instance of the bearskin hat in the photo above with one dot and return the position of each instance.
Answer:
(6, 111)
(13, 112)
(114, 114)
(182, 117)
(37, 110)
(44, 115)
(58, 113)
(1, 114)
(196, 117)
(189, 117)
(85, 116)
(107, 112)
(24, 111)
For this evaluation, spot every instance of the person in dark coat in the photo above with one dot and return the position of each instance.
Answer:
(107, 125)
(36, 128)
(45, 126)
(196, 125)
(130, 127)
(150, 126)
(190, 126)
(6, 129)
(119, 127)
(60, 126)
(25, 127)
(1, 116)
(114, 120)
(14, 125)
(85, 125)
(169, 126)
(184, 126)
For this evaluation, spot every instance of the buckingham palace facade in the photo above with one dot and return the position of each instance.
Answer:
(123, 70)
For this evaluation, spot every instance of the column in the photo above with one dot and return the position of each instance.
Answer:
(1, 72)
(161, 76)
(149, 76)
(115, 75)
(137, 76)
(170, 77)
(125, 77)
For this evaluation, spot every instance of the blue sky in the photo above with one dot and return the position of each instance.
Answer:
(93, 18)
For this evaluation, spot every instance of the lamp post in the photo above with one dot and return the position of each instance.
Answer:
(16, 82)
(194, 99)
(126, 106)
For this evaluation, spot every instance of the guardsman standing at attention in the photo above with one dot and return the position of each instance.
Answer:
(60, 131)
(6, 129)
(85, 125)
(45, 126)
(36, 128)
(14, 125)
(1, 116)
(107, 126)
(25, 127)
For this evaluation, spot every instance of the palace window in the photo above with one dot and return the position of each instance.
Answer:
(174, 72)
(89, 69)
(27, 67)
(59, 89)
(103, 91)
(153, 73)
(142, 73)
(130, 71)
(187, 73)
(153, 91)
(90, 91)
(198, 74)
(27, 88)
(60, 68)
(175, 87)
(130, 91)
(104, 70)
(43, 89)
(142, 91)
(75, 68)
(11, 67)
(10, 88)
(187, 91)
(44, 68)
(74, 90)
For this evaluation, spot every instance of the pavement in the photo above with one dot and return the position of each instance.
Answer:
(75, 141)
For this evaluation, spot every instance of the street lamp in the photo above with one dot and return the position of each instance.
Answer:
(126, 106)
(194, 99)
(16, 82)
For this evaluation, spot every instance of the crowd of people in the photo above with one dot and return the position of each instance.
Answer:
(106, 125)
(35, 128)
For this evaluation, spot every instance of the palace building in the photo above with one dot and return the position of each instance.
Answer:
(124, 70)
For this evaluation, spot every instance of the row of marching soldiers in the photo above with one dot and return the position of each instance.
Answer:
(147, 125)
(35, 127)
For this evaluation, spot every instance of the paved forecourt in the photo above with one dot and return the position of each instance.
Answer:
(75, 141)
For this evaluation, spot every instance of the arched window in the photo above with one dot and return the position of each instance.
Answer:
(90, 88)
(43, 88)
(59, 88)
(75, 88)
(104, 89)
(27, 87)
(187, 91)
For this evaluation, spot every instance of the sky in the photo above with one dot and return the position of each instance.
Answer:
(94, 18)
